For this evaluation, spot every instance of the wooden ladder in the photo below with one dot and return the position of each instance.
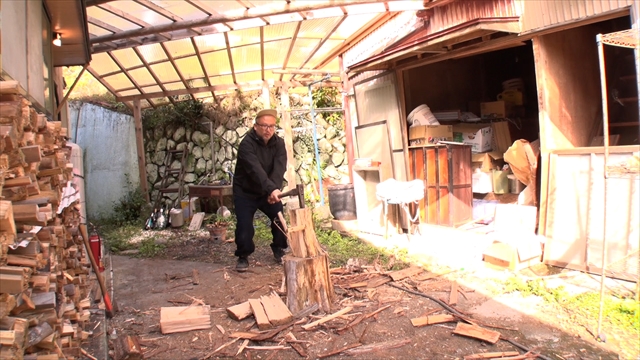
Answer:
(169, 173)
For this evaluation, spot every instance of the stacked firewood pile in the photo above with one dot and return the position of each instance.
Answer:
(43, 264)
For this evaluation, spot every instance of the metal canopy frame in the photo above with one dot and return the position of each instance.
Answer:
(157, 50)
(629, 38)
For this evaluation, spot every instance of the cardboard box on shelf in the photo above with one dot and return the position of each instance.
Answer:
(487, 161)
(429, 134)
(476, 135)
(495, 109)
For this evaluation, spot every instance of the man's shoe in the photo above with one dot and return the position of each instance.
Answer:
(243, 264)
(278, 253)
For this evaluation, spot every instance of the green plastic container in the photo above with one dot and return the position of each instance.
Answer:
(500, 182)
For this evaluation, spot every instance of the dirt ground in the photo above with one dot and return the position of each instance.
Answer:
(143, 286)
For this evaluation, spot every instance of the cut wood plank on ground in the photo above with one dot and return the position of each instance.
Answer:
(477, 332)
(377, 281)
(453, 296)
(338, 351)
(491, 355)
(184, 318)
(240, 311)
(259, 314)
(377, 347)
(327, 318)
(277, 312)
(433, 319)
(405, 273)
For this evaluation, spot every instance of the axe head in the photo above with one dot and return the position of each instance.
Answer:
(297, 191)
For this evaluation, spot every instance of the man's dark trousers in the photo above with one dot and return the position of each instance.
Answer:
(245, 208)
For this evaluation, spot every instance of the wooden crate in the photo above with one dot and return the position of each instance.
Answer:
(446, 170)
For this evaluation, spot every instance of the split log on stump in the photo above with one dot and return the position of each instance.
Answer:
(302, 236)
(308, 282)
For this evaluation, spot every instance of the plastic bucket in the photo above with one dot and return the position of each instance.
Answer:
(342, 202)
(422, 115)
(500, 182)
(177, 218)
(515, 186)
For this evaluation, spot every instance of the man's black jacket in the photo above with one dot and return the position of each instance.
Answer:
(260, 167)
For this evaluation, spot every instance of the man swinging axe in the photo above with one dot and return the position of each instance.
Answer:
(258, 177)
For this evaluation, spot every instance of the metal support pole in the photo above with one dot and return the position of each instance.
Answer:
(605, 124)
(315, 137)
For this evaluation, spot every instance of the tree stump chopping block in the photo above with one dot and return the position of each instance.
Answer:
(308, 282)
(306, 269)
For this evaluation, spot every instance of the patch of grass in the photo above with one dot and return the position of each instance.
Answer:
(621, 313)
(118, 238)
(149, 248)
(262, 235)
(342, 248)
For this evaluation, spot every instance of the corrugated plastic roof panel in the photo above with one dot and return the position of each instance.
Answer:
(279, 31)
(221, 80)
(323, 51)
(103, 64)
(317, 28)
(174, 85)
(249, 76)
(216, 63)
(111, 19)
(178, 48)
(127, 58)
(119, 81)
(351, 25)
(273, 52)
(301, 51)
(165, 71)
(97, 30)
(130, 92)
(244, 58)
(144, 13)
(210, 42)
(243, 37)
(189, 67)
(152, 89)
(152, 53)
(143, 76)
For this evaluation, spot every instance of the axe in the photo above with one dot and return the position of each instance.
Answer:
(297, 191)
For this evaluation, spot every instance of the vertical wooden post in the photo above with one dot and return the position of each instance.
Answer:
(347, 117)
(142, 167)
(290, 174)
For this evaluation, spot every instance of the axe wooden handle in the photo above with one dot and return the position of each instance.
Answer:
(292, 192)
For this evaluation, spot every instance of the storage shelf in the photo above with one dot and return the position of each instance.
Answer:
(629, 99)
(624, 124)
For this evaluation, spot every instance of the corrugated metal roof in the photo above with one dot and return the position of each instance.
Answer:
(541, 14)
(158, 48)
